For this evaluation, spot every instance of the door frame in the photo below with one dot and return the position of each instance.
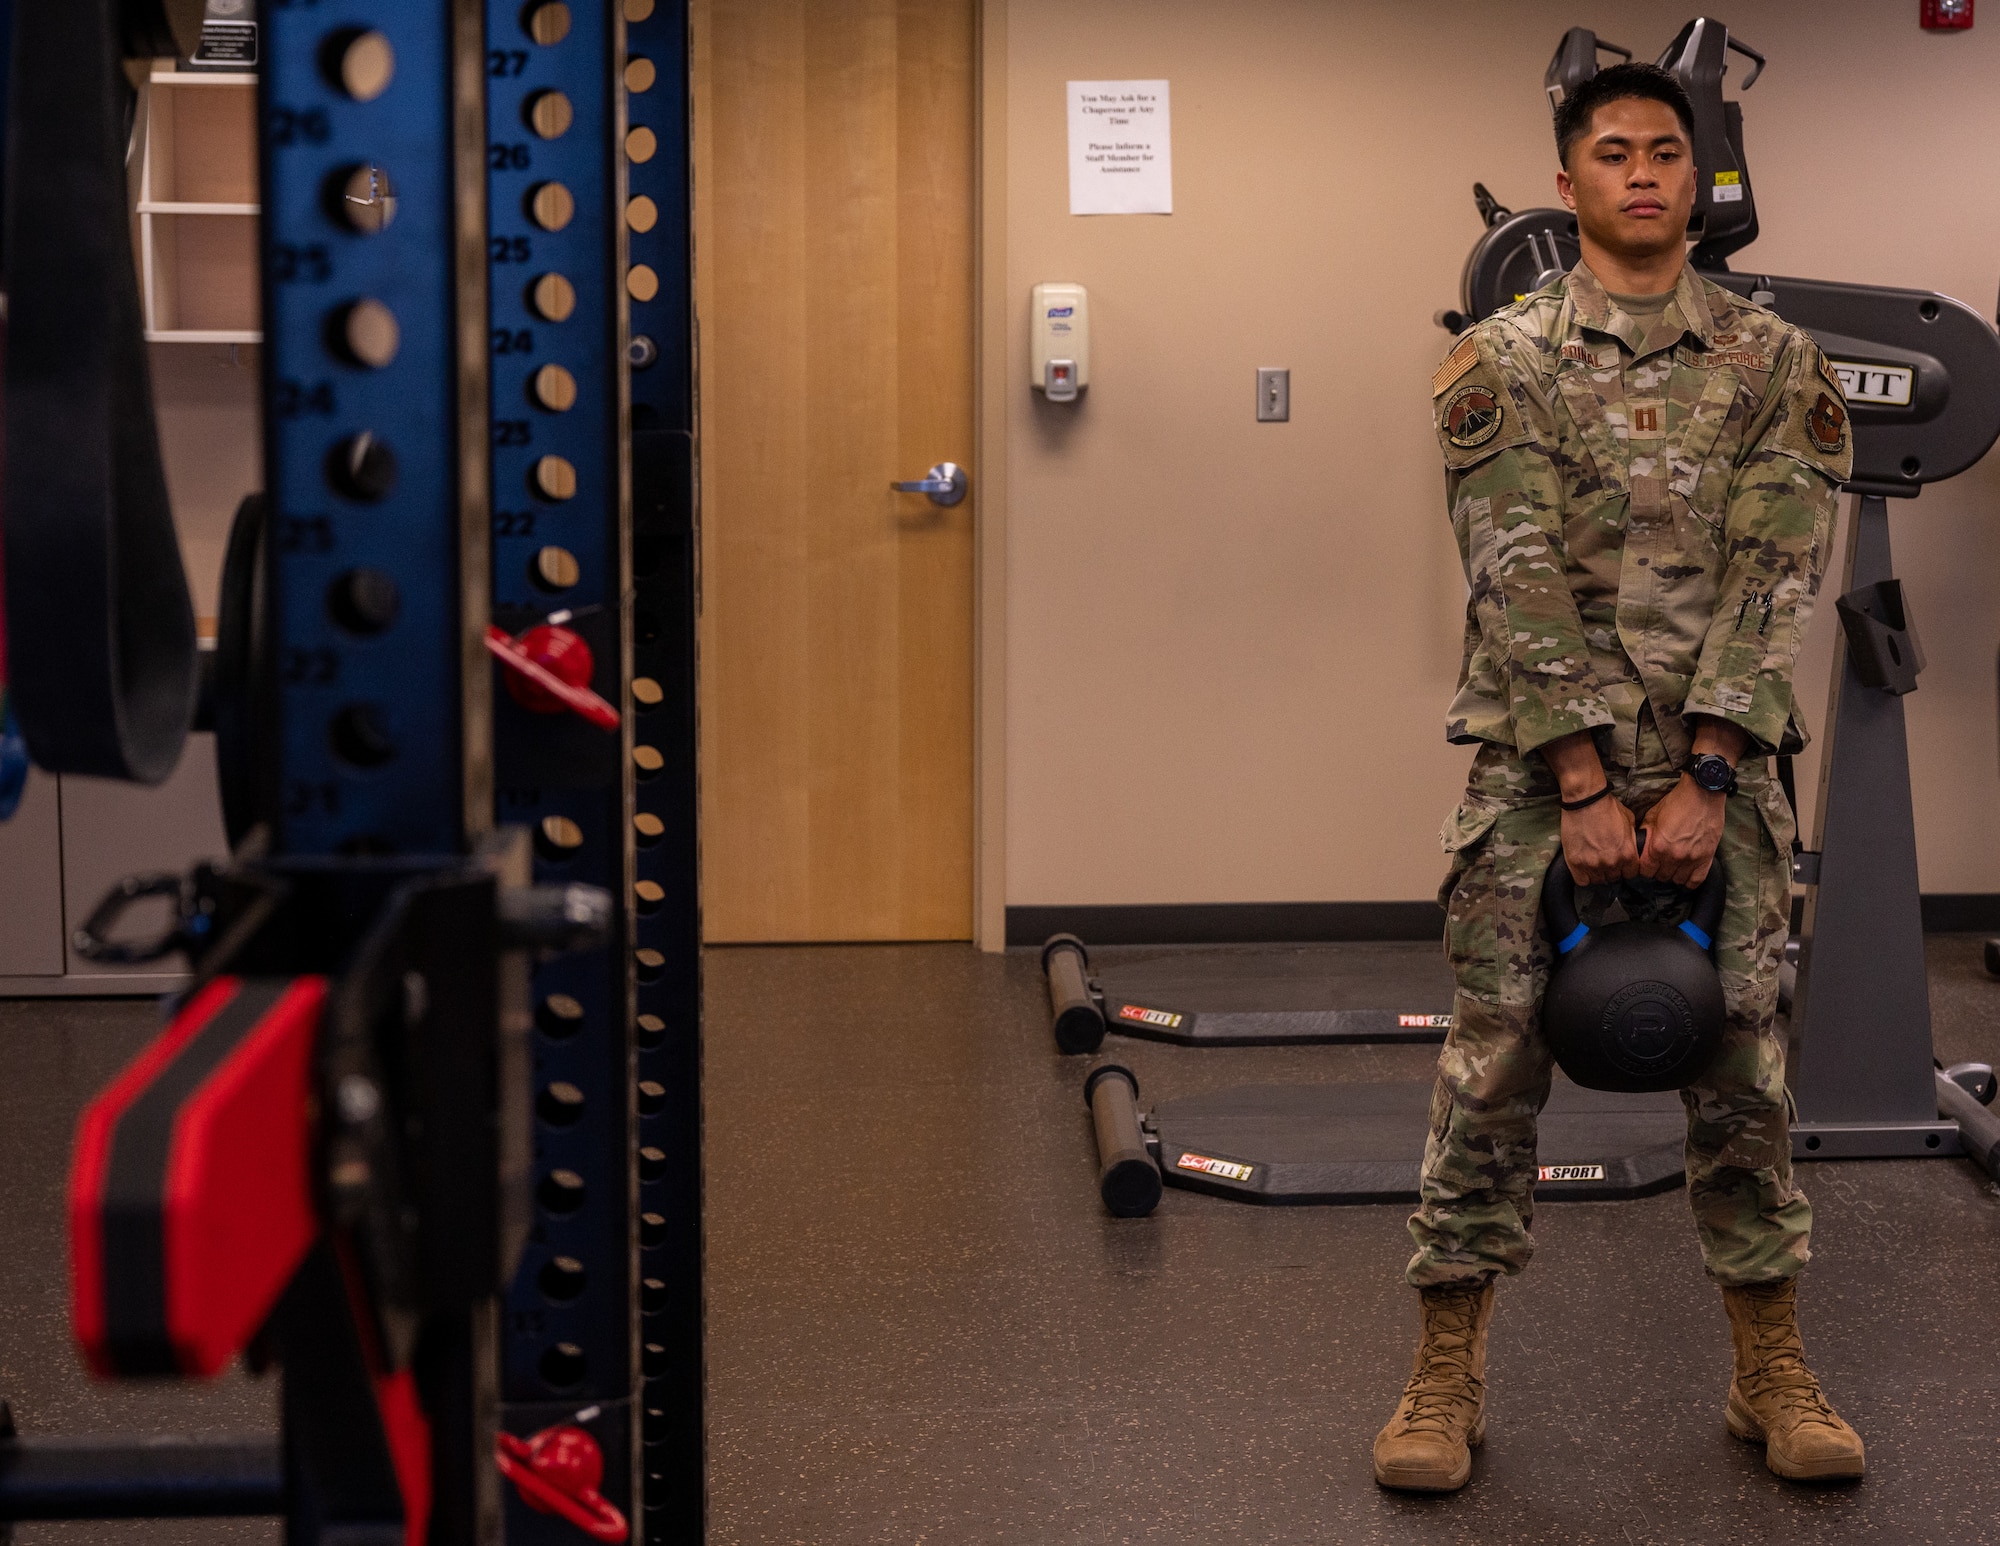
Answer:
(994, 313)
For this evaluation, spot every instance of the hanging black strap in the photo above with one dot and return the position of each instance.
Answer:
(100, 632)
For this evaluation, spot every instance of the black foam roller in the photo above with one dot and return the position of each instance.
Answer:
(1078, 1020)
(1127, 1178)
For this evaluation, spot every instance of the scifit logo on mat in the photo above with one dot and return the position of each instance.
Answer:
(1148, 1016)
(1229, 1170)
(1570, 1173)
(1424, 1022)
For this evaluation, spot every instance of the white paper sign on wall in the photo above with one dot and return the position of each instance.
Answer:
(1121, 148)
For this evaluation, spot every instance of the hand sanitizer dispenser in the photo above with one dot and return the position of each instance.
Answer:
(1059, 341)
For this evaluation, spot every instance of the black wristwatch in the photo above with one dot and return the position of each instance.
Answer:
(1713, 773)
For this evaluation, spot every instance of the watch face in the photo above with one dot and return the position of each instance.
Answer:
(1713, 773)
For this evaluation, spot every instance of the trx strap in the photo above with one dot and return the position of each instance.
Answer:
(101, 656)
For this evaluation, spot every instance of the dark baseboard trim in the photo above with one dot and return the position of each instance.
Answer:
(1962, 912)
(1228, 923)
(1292, 923)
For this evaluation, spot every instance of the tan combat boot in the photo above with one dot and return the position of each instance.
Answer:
(1427, 1446)
(1774, 1399)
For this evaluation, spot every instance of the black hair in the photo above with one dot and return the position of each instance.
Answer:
(1616, 84)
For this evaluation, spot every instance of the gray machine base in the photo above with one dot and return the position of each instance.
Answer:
(1364, 1143)
(1876, 1140)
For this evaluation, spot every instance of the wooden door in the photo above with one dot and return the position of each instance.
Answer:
(833, 251)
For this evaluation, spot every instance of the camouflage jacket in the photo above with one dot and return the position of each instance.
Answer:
(1643, 516)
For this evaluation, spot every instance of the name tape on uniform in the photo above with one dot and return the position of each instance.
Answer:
(1570, 1173)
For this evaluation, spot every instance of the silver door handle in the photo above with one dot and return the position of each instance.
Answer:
(945, 483)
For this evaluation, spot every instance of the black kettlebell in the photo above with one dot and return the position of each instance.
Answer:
(1633, 1006)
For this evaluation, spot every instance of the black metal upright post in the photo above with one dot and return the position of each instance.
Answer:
(665, 565)
(1861, 1070)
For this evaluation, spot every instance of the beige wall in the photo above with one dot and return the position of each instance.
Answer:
(1229, 645)
(205, 400)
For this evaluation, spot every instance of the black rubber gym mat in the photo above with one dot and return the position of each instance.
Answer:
(1267, 995)
(1360, 1143)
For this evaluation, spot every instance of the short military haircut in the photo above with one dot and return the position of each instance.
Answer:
(1616, 84)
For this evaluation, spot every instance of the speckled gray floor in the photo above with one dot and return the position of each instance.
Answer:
(924, 1329)
(54, 1055)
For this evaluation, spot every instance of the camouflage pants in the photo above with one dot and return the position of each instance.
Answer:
(1478, 1189)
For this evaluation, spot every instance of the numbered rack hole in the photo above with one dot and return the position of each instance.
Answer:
(559, 1016)
(652, 1230)
(549, 114)
(561, 1104)
(648, 828)
(553, 478)
(360, 62)
(639, 74)
(553, 569)
(364, 601)
(648, 896)
(360, 736)
(562, 1278)
(563, 1366)
(553, 388)
(548, 24)
(558, 838)
(365, 333)
(362, 467)
(561, 1192)
(364, 198)
(649, 1031)
(551, 206)
(552, 297)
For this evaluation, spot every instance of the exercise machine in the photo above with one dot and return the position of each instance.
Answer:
(1921, 373)
(425, 1131)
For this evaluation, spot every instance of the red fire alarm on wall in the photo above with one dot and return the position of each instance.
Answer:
(1947, 15)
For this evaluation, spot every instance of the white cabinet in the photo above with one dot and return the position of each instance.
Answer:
(70, 841)
(196, 206)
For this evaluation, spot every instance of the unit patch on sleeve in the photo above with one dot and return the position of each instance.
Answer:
(1472, 416)
(1456, 364)
(1827, 423)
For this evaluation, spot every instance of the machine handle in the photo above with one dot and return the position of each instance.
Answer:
(945, 483)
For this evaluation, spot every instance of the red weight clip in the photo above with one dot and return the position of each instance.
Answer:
(556, 1472)
(548, 667)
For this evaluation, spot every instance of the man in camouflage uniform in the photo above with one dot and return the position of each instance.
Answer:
(1641, 471)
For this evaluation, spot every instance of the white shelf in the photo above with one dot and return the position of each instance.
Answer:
(170, 207)
(197, 335)
(161, 77)
(192, 203)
